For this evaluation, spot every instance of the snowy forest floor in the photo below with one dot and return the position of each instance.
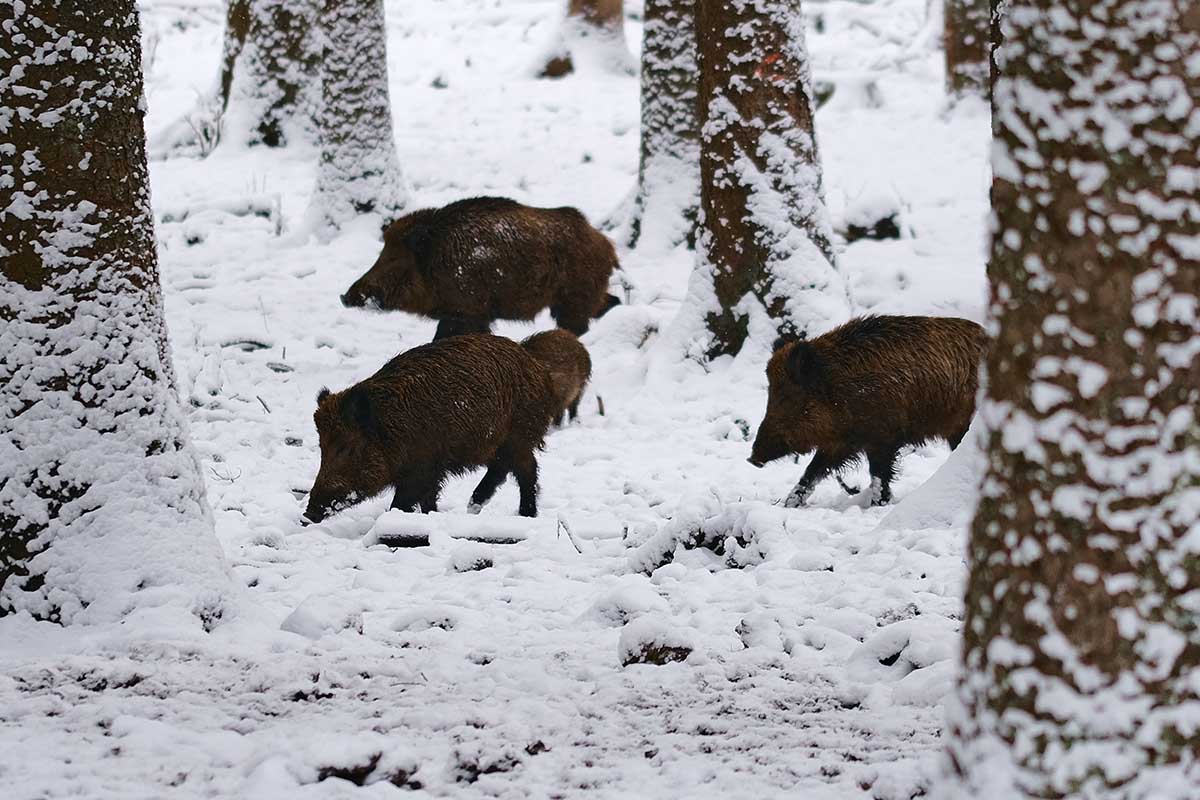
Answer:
(822, 645)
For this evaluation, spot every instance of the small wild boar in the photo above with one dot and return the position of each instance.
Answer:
(487, 258)
(872, 386)
(569, 365)
(438, 410)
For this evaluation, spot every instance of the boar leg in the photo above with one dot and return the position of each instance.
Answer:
(820, 466)
(883, 468)
(847, 488)
(574, 409)
(457, 326)
(526, 469)
(429, 501)
(497, 474)
(405, 499)
(957, 438)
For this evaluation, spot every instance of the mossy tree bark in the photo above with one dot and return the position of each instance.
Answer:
(765, 237)
(101, 497)
(1081, 638)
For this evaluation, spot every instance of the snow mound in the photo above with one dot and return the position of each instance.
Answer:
(742, 533)
(633, 597)
(398, 528)
(652, 639)
(948, 498)
(320, 614)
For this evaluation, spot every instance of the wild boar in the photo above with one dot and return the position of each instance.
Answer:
(870, 387)
(438, 410)
(477, 260)
(569, 365)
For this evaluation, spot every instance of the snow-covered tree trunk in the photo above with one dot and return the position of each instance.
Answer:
(765, 235)
(1082, 630)
(273, 90)
(966, 42)
(102, 504)
(267, 89)
(594, 30)
(667, 200)
(359, 171)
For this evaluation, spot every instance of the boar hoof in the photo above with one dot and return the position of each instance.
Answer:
(474, 508)
(794, 501)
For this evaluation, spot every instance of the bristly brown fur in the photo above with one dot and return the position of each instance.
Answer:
(870, 387)
(477, 260)
(569, 365)
(437, 410)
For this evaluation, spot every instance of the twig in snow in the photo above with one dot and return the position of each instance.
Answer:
(600, 404)
(227, 476)
(263, 309)
(564, 527)
(264, 404)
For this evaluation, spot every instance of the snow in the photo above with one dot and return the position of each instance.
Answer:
(489, 661)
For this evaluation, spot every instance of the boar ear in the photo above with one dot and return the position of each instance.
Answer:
(321, 395)
(788, 335)
(357, 411)
(804, 364)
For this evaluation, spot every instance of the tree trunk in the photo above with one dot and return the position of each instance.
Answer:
(966, 42)
(1081, 639)
(359, 171)
(765, 231)
(102, 505)
(597, 26)
(667, 200)
(274, 74)
(267, 91)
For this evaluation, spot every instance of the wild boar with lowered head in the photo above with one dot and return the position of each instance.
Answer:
(569, 365)
(869, 387)
(435, 411)
(477, 260)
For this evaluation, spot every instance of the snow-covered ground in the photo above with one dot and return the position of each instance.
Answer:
(817, 644)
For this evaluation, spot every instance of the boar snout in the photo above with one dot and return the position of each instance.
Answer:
(354, 298)
(767, 447)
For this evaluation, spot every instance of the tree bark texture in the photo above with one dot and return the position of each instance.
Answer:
(765, 232)
(359, 171)
(967, 45)
(1081, 642)
(667, 200)
(102, 504)
(271, 95)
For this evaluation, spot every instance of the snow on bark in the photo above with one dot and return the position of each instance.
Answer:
(667, 198)
(592, 35)
(272, 93)
(966, 42)
(359, 171)
(1082, 651)
(102, 505)
(766, 236)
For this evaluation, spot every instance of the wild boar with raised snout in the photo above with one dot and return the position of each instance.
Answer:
(569, 365)
(477, 260)
(869, 387)
(438, 410)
